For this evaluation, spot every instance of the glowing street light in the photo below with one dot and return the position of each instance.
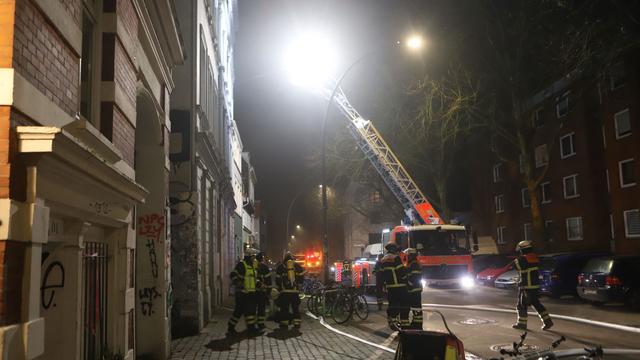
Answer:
(293, 237)
(298, 227)
(415, 42)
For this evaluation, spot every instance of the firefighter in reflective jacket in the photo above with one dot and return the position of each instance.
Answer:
(527, 264)
(394, 278)
(289, 278)
(377, 271)
(244, 278)
(263, 288)
(414, 288)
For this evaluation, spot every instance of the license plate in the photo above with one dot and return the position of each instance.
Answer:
(590, 291)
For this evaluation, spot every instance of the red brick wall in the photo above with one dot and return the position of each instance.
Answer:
(74, 9)
(118, 67)
(43, 57)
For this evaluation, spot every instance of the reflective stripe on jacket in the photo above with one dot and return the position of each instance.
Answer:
(414, 277)
(394, 274)
(528, 270)
(249, 278)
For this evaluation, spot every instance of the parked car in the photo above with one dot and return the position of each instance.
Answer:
(489, 275)
(559, 272)
(611, 279)
(507, 280)
(484, 261)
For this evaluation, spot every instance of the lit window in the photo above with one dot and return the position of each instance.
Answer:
(622, 124)
(527, 231)
(545, 191)
(526, 201)
(570, 186)
(627, 170)
(497, 173)
(574, 228)
(499, 202)
(562, 105)
(567, 146)
(632, 223)
(500, 235)
(375, 198)
(542, 156)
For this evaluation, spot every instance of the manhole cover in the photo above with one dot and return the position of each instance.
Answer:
(473, 321)
(524, 347)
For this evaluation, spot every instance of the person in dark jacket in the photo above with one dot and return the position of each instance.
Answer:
(243, 277)
(394, 278)
(414, 288)
(289, 279)
(263, 288)
(377, 271)
(527, 265)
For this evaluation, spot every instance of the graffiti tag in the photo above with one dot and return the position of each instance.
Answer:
(153, 258)
(146, 296)
(151, 226)
(48, 289)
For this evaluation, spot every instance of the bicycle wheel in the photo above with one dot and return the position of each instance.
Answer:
(361, 308)
(342, 309)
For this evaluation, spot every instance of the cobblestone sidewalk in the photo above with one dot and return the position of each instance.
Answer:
(313, 342)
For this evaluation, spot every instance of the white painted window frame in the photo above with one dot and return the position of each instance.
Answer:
(615, 123)
(579, 218)
(545, 199)
(620, 163)
(564, 186)
(626, 224)
(572, 137)
(495, 202)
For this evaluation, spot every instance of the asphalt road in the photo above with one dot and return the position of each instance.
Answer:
(484, 332)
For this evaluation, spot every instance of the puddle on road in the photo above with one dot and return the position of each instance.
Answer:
(476, 321)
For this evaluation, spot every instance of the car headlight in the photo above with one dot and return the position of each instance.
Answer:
(466, 282)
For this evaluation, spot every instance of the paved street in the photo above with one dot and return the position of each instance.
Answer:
(483, 332)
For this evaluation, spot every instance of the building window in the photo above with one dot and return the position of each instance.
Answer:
(562, 105)
(617, 76)
(545, 191)
(499, 201)
(521, 163)
(497, 172)
(574, 228)
(627, 170)
(548, 229)
(527, 231)
(567, 146)
(500, 235)
(622, 124)
(632, 223)
(526, 201)
(570, 186)
(537, 120)
(542, 156)
(375, 198)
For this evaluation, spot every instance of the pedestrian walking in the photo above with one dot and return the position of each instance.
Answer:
(263, 289)
(243, 277)
(414, 288)
(395, 281)
(527, 264)
(289, 279)
(377, 272)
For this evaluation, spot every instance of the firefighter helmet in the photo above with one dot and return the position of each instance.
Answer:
(410, 251)
(250, 252)
(391, 247)
(288, 256)
(526, 244)
(274, 293)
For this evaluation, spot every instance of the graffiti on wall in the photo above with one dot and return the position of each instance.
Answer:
(151, 227)
(52, 279)
(147, 296)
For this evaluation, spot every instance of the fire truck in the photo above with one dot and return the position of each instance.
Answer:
(311, 261)
(444, 249)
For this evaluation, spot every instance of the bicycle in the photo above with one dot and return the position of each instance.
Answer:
(348, 302)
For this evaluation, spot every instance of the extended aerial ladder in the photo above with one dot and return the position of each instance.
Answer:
(369, 140)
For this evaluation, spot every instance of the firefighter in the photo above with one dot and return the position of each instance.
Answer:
(244, 278)
(394, 278)
(414, 288)
(526, 264)
(289, 278)
(263, 288)
(346, 276)
(377, 271)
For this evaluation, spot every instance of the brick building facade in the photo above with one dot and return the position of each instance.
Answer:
(84, 99)
(589, 199)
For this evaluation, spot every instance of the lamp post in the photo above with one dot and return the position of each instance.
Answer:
(310, 63)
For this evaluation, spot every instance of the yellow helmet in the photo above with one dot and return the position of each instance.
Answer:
(410, 251)
(526, 244)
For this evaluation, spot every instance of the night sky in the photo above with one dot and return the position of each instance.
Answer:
(279, 123)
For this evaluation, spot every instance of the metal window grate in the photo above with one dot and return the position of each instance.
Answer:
(95, 276)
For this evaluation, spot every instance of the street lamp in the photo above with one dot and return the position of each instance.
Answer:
(298, 227)
(322, 57)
